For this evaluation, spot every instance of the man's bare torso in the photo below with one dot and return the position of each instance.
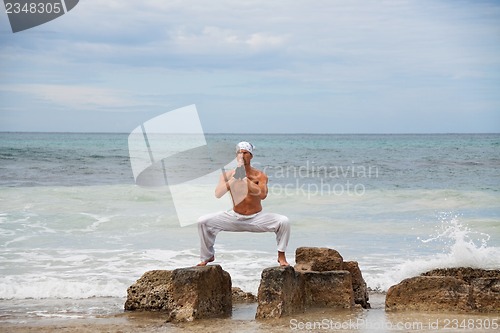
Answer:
(246, 197)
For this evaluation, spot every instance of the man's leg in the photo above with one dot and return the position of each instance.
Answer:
(210, 225)
(207, 238)
(282, 237)
(271, 222)
(208, 228)
(282, 259)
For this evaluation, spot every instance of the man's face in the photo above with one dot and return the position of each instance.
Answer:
(243, 157)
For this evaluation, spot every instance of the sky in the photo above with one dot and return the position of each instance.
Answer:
(254, 66)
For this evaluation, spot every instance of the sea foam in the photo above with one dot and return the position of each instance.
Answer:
(461, 247)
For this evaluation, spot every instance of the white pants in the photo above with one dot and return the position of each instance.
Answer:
(210, 225)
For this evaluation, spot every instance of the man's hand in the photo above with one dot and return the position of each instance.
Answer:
(240, 172)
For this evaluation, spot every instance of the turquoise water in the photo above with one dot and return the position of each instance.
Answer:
(74, 225)
(440, 161)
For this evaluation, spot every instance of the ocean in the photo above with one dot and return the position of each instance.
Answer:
(76, 231)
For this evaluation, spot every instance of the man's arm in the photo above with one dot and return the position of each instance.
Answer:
(227, 182)
(224, 184)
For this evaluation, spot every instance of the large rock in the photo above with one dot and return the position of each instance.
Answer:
(431, 293)
(284, 291)
(320, 279)
(184, 294)
(152, 292)
(331, 289)
(453, 289)
(281, 293)
(317, 259)
(321, 259)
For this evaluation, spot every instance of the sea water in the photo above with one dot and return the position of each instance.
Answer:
(76, 231)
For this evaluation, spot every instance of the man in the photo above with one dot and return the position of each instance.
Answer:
(247, 187)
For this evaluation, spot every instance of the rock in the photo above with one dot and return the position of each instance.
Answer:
(239, 296)
(467, 274)
(431, 293)
(331, 289)
(485, 295)
(152, 292)
(184, 294)
(321, 279)
(484, 284)
(317, 259)
(314, 259)
(454, 289)
(202, 292)
(358, 284)
(281, 293)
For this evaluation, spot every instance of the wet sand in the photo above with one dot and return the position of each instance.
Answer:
(375, 319)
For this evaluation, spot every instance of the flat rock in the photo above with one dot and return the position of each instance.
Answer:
(317, 259)
(455, 289)
(184, 294)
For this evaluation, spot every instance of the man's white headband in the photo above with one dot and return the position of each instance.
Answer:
(245, 145)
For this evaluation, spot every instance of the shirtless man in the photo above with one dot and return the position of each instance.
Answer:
(247, 187)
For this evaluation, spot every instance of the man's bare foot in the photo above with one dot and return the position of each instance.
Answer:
(282, 259)
(204, 263)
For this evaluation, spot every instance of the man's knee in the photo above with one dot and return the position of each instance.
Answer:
(283, 221)
(203, 222)
(210, 223)
(205, 219)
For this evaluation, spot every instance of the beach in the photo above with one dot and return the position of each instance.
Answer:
(242, 320)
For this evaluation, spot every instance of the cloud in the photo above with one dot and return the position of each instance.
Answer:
(361, 58)
(217, 40)
(259, 41)
(75, 97)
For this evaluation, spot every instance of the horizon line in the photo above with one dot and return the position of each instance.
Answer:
(262, 133)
